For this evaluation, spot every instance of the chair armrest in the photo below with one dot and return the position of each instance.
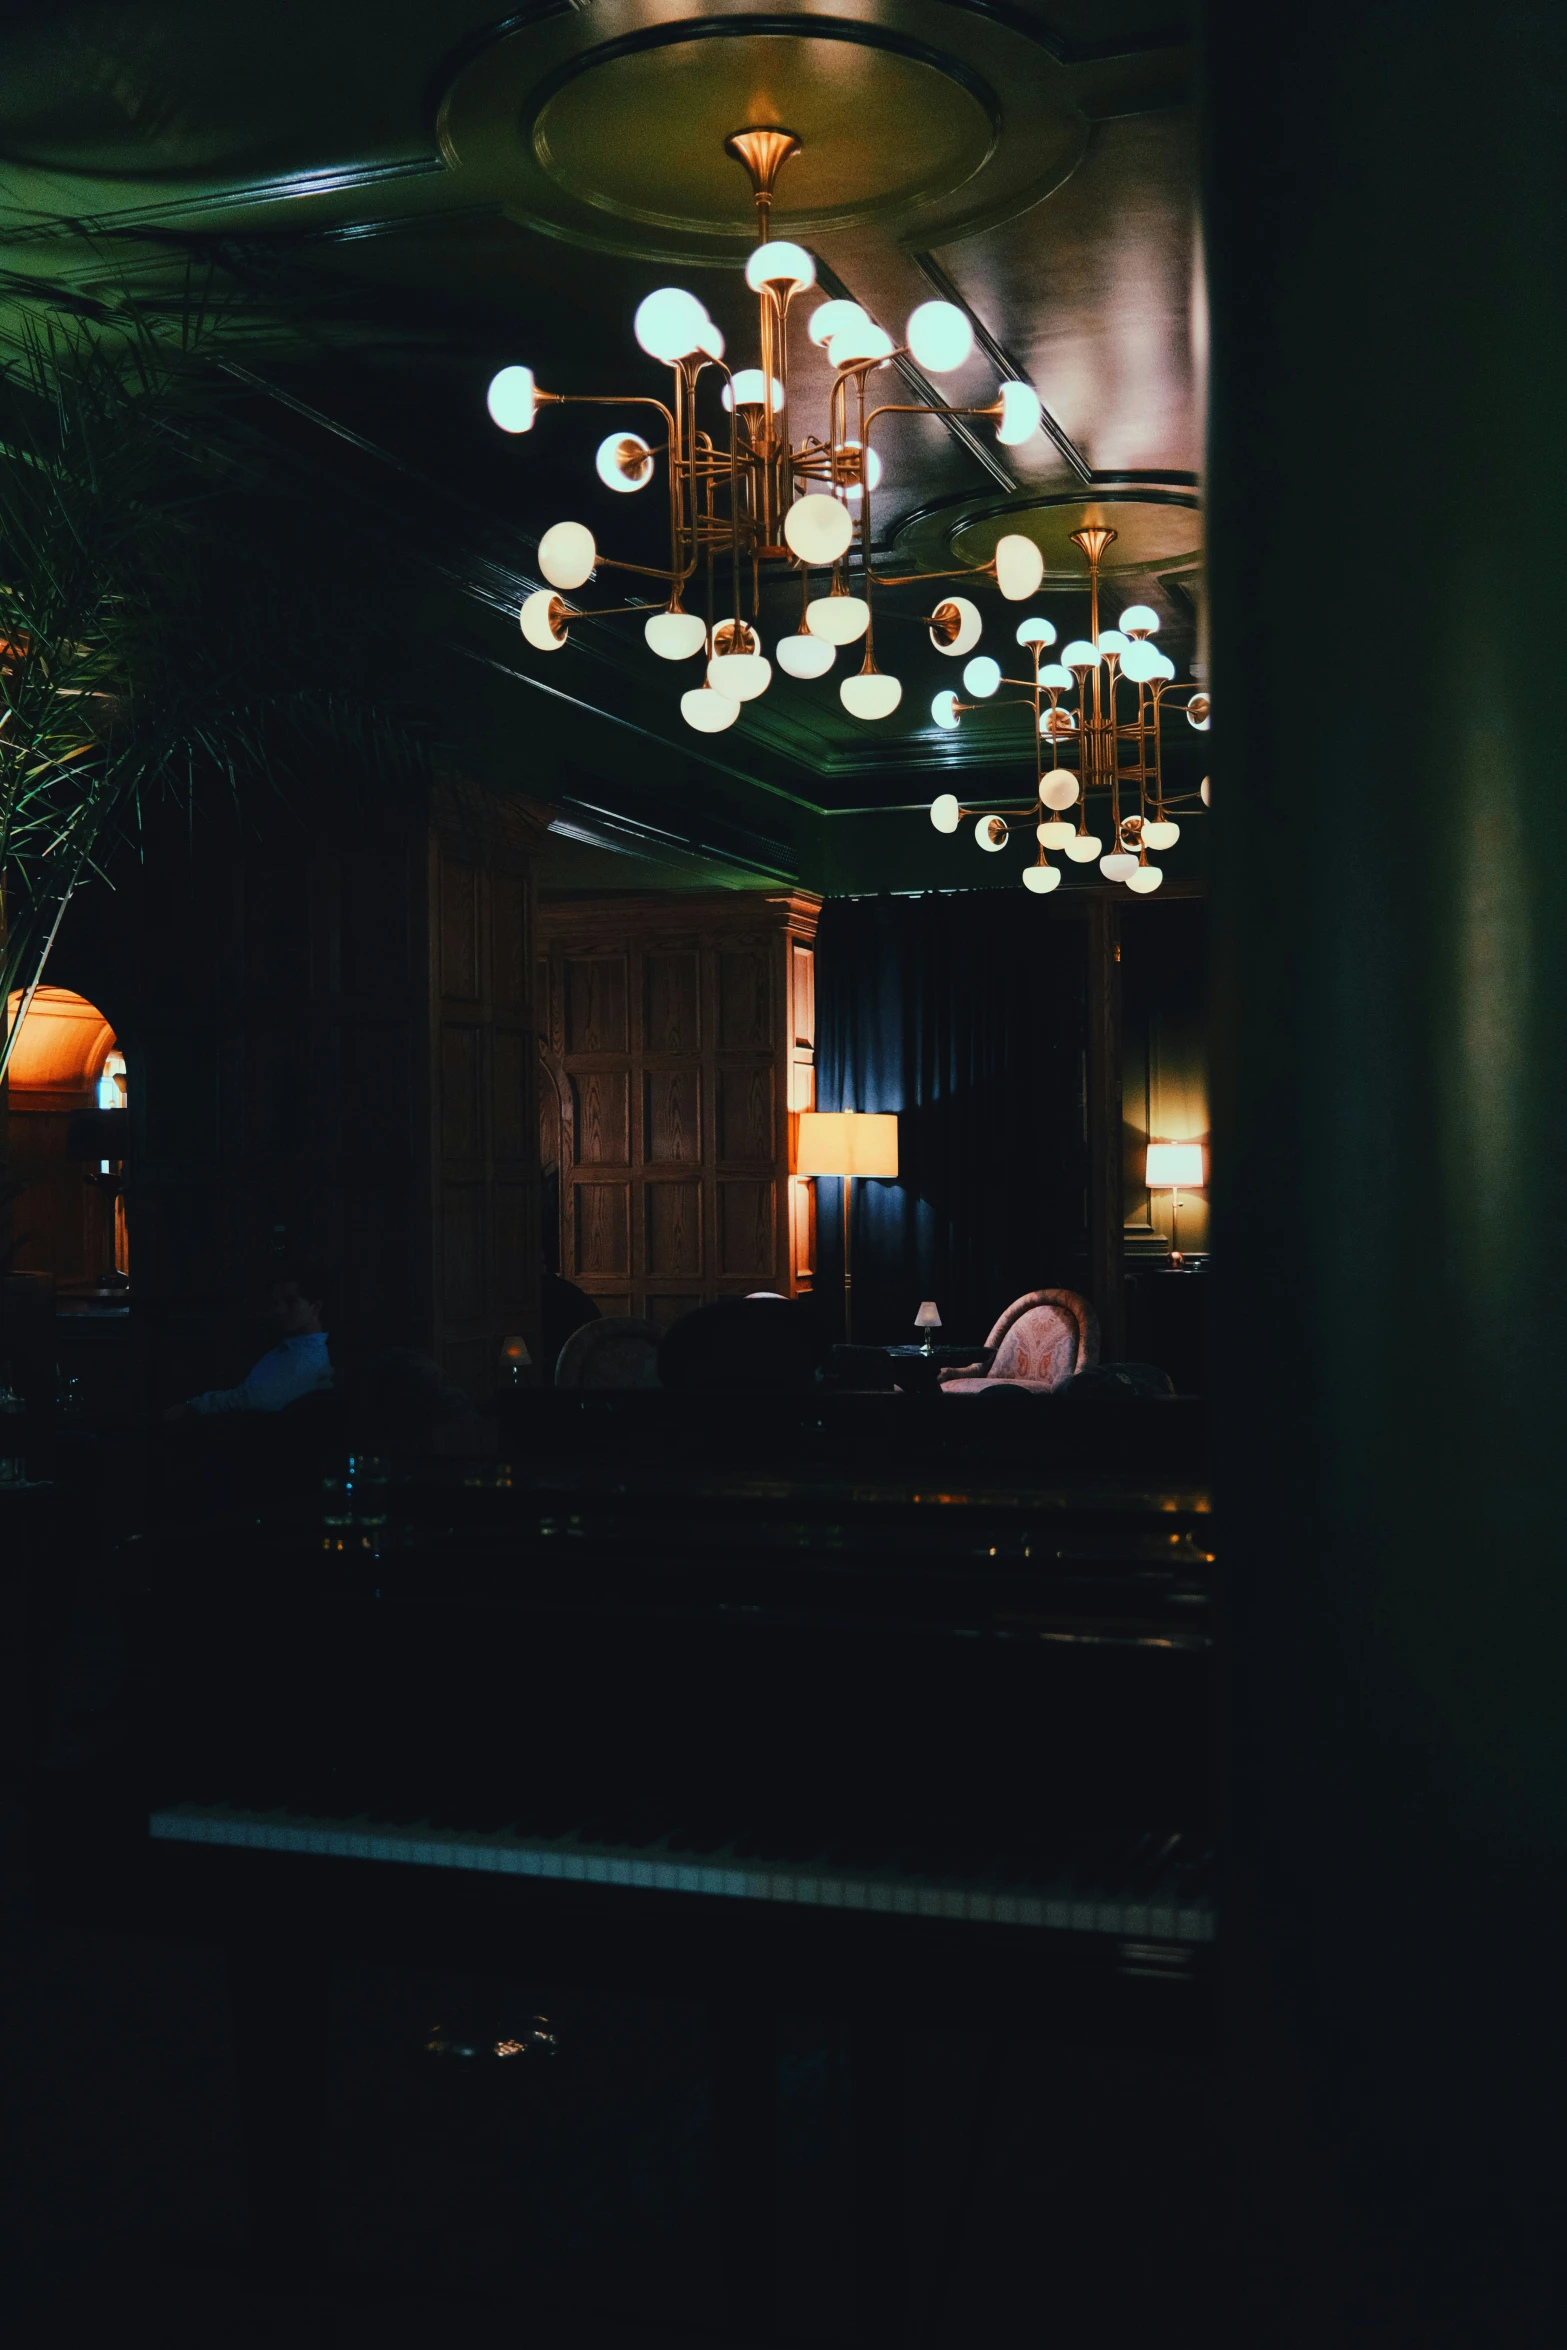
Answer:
(984, 1356)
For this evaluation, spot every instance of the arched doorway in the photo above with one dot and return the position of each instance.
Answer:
(68, 1217)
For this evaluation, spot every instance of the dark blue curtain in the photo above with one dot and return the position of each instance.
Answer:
(968, 1016)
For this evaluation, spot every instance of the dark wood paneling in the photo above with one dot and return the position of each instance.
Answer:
(462, 1091)
(672, 995)
(745, 1010)
(802, 970)
(745, 1229)
(512, 1093)
(511, 959)
(602, 1116)
(602, 1238)
(674, 1229)
(672, 1117)
(595, 998)
(744, 1097)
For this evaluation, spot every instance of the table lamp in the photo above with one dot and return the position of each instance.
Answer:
(1173, 1166)
(927, 1319)
(847, 1143)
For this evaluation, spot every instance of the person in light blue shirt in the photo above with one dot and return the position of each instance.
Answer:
(298, 1365)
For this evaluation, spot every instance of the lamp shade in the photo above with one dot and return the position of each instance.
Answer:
(1175, 1166)
(927, 1318)
(847, 1142)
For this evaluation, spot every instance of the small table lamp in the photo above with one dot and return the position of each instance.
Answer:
(1172, 1166)
(847, 1143)
(927, 1319)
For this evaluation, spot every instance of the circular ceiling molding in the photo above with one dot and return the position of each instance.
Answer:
(1157, 530)
(606, 126)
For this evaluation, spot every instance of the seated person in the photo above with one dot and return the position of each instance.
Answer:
(298, 1365)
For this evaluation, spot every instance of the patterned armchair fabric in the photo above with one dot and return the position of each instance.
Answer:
(1040, 1342)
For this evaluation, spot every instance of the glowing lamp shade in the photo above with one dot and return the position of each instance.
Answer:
(543, 617)
(870, 694)
(708, 712)
(1199, 713)
(512, 399)
(1054, 675)
(991, 833)
(1202, 791)
(982, 677)
(927, 1318)
(1083, 848)
(671, 324)
(1145, 880)
(818, 528)
(837, 620)
(749, 390)
(1139, 620)
(804, 655)
(1112, 641)
(847, 1142)
(1166, 668)
(861, 339)
(870, 469)
(1056, 834)
(1019, 419)
(742, 676)
(1080, 654)
(1041, 879)
(1140, 661)
(944, 709)
(567, 554)
(1161, 833)
(1020, 567)
(1059, 788)
(1035, 631)
(968, 629)
(939, 336)
(711, 341)
(833, 318)
(1118, 864)
(945, 813)
(675, 636)
(1175, 1166)
(781, 264)
(624, 462)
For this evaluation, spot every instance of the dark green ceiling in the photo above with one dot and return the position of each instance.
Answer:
(358, 178)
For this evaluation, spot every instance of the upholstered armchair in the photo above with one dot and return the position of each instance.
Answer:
(1040, 1342)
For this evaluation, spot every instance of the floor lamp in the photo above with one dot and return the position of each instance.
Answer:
(847, 1143)
(1175, 1167)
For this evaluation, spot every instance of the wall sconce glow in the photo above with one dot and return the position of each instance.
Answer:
(624, 462)
(512, 399)
(567, 554)
(939, 336)
(982, 677)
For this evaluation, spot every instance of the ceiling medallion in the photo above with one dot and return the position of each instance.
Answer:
(1079, 705)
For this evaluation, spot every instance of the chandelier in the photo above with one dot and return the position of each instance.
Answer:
(1080, 704)
(745, 501)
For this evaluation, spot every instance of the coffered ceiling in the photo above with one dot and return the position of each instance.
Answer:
(403, 194)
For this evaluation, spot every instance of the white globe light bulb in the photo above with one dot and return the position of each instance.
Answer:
(742, 676)
(781, 264)
(543, 622)
(1056, 833)
(1112, 641)
(1118, 864)
(708, 712)
(1042, 879)
(1035, 631)
(860, 339)
(945, 813)
(1057, 725)
(1019, 414)
(1020, 566)
(969, 625)
(1052, 674)
(1161, 833)
(512, 399)
(944, 709)
(837, 620)
(1144, 879)
(982, 677)
(804, 655)
(1140, 661)
(711, 340)
(1083, 848)
(1080, 654)
(1058, 788)
(670, 324)
(939, 336)
(1166, 668)
(870, 694)
(1139, 620)
(567, 554)
(991, 833)
(831, 318)
(1199, 713)
(818, 528)
(1202, 791)
(624, 462)
(749, 390)
(675, 636)
(870, 467)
